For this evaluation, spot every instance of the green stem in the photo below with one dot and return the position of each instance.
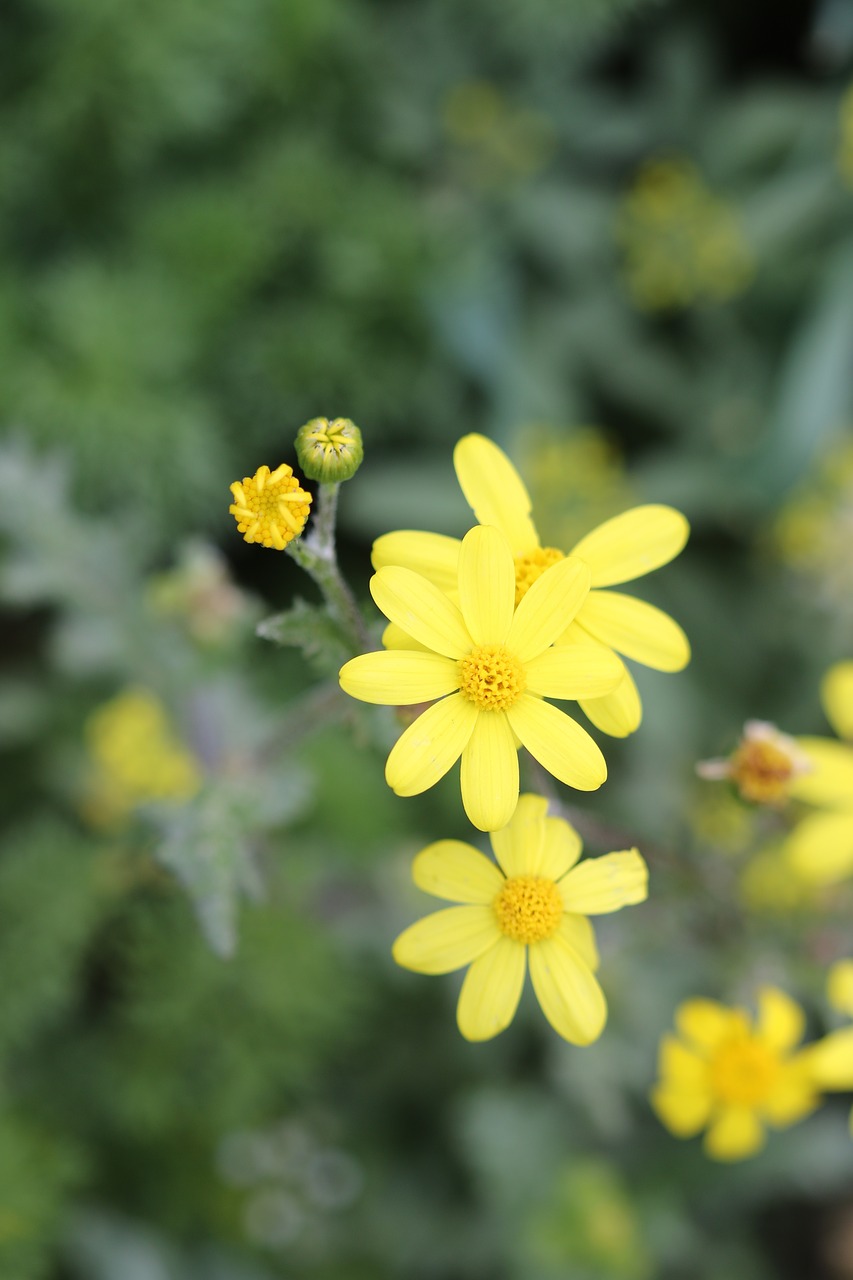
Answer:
(316, 554)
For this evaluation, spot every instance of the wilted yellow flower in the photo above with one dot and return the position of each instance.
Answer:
(682, 244)
(619, 550)
(270, 507)
(530, 907)
(820, 847)
(137, 758)
(762, 766)
(724, 1074)
(491, 663)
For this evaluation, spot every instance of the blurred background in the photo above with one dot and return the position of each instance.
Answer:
(617, 237)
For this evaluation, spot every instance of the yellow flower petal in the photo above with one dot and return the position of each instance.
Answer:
(580, 935)
(548, 608)
(495, 492)
(429, 747)
(516, 846)
(791, 1099)
(632, 544)
(433, 555)
(574, 671)
(399, 677)
(781, 1022)
(486, 585)
(839, 987)
(559, 743)
(491, 991)
(820, 848)
(394, 637)
(829, 1062)
(447, 939)
(830, 780)
(707, 1023)
(684, 1114)
(421, 610)
(600, 885)
(457, 871)
(681, 1068)
(734, 1135)
(558, 852)
(618, 713)
(490, 772)
(635, 628)
(836, 694)
(567, 990)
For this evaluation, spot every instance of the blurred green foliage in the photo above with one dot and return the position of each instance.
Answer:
(217, 221)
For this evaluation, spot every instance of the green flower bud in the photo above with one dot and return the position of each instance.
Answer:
(329, 451)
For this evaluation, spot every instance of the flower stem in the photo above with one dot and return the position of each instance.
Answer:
(317, 555)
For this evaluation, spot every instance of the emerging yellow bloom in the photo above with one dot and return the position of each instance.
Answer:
(762, 766)
(619, 550)
(820, 847)
(731, 1077)
(491, 664)
(532, 906)
(270, 507)
(682, 244)
(137, 758)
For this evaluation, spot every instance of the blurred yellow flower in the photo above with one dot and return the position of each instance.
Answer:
(762, 766)
(502, 142)
(769, 884)
(813, 530)
(845, 148)
(530, 907)
(136, 757)
(831, 1059)
(723, 1074)
(626, 547)
(491, 663)
(270, 507)
(820, 847)
(681, 243)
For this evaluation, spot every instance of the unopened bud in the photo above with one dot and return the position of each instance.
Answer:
(329, 451)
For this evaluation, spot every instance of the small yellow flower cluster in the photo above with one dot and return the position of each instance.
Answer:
(732, 1076)
(270, 507)
(845, 148)
(136, 758)
(681, 243)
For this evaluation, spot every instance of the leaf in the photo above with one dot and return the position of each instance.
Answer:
(311, 628)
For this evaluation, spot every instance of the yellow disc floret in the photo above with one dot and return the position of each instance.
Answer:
(529, 909)
(743, 1071)
(531, 566)
(491, 677)
(270, 507)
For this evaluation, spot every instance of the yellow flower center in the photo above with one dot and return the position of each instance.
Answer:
(762, 770)
(491, 677)
(270, 507)
(531, 566)
(743, 1072)
(529, 909)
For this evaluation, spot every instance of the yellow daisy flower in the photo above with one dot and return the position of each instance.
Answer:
(617, 551)
(731, 1077)
(820, 847)
(491, 664)
(531, 906)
